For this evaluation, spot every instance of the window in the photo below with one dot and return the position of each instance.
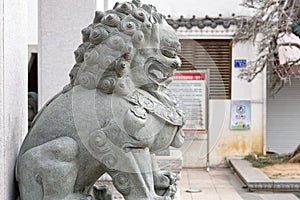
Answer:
(214, 55)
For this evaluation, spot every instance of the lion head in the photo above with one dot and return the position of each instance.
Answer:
(130, 46)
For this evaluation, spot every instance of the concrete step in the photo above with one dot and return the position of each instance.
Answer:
(256, 180)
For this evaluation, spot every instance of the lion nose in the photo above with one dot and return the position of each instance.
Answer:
(177, 63)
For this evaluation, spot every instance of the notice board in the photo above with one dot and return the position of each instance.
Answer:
(190, 89)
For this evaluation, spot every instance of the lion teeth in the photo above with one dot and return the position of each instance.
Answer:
(158, 74)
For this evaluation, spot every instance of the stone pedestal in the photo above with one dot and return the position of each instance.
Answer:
(171, 162)
(13, 90)
(60, 25)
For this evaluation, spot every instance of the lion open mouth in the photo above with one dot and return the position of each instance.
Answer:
(157, 72)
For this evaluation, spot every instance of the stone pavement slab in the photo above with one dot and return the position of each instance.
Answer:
(214, 185)
(221, 184)
(217, 184)
(256, 180)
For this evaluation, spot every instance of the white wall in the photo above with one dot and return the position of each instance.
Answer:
(60, 25)
(13, 89)
(32, 22)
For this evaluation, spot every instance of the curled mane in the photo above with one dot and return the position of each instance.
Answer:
(110, 43)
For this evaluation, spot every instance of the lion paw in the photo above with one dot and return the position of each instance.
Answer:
(164, 183)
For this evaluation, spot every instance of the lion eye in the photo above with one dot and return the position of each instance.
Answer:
(169, 53)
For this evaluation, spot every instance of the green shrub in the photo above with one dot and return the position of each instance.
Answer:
(260, 161)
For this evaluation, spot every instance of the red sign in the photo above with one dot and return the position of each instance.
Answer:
(189, 76)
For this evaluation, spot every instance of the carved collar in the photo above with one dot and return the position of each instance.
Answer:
(152, 105)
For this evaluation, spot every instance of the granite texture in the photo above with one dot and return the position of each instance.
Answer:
(113, 117)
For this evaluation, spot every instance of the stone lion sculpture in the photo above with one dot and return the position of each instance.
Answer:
(113, 117)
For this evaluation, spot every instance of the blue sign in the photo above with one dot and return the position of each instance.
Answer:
(240, 63)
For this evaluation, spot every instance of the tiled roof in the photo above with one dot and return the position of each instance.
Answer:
(205, 22)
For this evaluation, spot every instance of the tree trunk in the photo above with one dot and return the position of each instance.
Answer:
(295, 156)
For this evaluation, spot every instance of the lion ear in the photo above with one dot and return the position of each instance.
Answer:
(157, 18)
(116, 5)
(98, 16)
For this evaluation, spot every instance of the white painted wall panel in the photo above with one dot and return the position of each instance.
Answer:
(13, 89)
(60, 25)
(283, 119)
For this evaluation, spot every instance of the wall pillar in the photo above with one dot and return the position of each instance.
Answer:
(13, 89)
(60, 24)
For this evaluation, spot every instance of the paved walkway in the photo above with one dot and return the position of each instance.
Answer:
(221, 184)
(217, 184)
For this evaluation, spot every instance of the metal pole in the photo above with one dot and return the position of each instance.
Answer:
(207, 123)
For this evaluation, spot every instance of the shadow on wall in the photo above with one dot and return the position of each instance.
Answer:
(32, 87)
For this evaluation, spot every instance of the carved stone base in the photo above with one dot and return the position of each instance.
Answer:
(117, 195)
(172, 162)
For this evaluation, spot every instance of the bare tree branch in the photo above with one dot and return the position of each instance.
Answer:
(289, 44)
(271, 19)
